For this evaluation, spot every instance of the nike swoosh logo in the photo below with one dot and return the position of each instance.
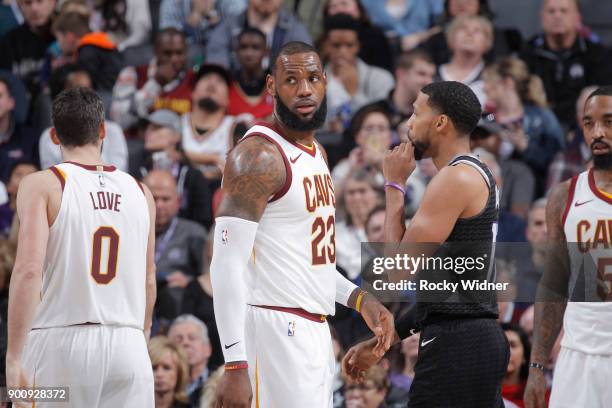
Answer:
(231, 345)
(577, 204)
(293, 160)
(426, 342)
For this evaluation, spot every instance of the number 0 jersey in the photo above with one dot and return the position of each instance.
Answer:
(587, 223)
(95, 265)
(293, 263)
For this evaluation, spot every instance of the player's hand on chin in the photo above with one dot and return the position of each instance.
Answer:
(359, 359)
(535, 391)
(380, 321)
(234, 390)
(399, 163)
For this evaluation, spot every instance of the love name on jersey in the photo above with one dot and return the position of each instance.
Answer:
(319, 191)
(104, 200)
(594, 236)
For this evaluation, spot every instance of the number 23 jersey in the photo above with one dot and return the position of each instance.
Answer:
(293, 263)
(95, 265)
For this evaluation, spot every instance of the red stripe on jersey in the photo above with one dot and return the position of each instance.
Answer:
(595, 190)
(310, 150)
(60, 176)
(289, 175)
(319, 318)
(570, 198)
(139, 185)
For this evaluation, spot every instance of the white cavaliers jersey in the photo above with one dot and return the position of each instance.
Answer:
(588, 229)
(294, 256)
(95, 265)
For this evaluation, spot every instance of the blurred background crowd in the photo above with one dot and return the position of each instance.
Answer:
(182, 80)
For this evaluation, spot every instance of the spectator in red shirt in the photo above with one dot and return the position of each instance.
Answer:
(164, 83)
(247, 94)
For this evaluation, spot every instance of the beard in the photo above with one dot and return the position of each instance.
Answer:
(295, 122)
(419, 148)
(208, 104)
(602, 161)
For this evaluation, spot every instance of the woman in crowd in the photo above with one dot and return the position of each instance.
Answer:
(505, 41)
(408, 21)
(360, 195)
(374, 47)
(513, 386)
(469, 39)
(170, 373)
(367, 139)
(516, 100)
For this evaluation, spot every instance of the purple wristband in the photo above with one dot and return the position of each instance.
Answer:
(395, 186)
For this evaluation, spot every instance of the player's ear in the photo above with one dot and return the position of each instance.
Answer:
(270, 85)
(53, 135)
(102, 131)
(441, 122)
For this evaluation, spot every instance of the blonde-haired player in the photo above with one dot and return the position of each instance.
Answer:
(83, 286)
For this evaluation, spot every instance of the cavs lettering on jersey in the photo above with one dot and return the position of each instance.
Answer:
(294, 256)
(587, 222)
(95, 265)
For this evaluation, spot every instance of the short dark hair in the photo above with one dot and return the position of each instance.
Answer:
(22, 162)
(340, 22)
(457, 101)
(59, 78)
(170, 31)
(71, 22)
(407, 59)
(252, 30)
(601, 91)
(77, 115)
(291, 48)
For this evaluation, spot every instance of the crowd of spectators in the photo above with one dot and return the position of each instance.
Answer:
(182, 80)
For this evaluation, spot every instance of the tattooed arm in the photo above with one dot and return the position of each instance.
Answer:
(551, 297)
(253, 173)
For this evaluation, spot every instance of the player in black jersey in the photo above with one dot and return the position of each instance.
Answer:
(463, 353)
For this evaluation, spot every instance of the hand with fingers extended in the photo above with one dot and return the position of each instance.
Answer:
(380, 321)
(360, 358)
(234, 390)
(399, 163)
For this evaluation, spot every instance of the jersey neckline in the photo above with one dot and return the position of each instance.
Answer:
(93, 167)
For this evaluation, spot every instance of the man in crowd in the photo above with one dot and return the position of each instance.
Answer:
(114, 148)
(178, 246)
(191, 334)
(208, 130)
(95, 52)
(164, 83)
(415, 69)
(24, 47)
(565, 60)
(248, 94)
(269, 16)
(17, 142)
(351, 83)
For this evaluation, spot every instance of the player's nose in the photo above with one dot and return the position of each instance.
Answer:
(304, 88)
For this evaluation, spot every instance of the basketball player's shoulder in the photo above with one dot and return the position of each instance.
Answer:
(461, 177)
(254, 163)
(43, 181)
(557, 201)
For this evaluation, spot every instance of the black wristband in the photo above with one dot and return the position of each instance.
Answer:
(538, 366)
